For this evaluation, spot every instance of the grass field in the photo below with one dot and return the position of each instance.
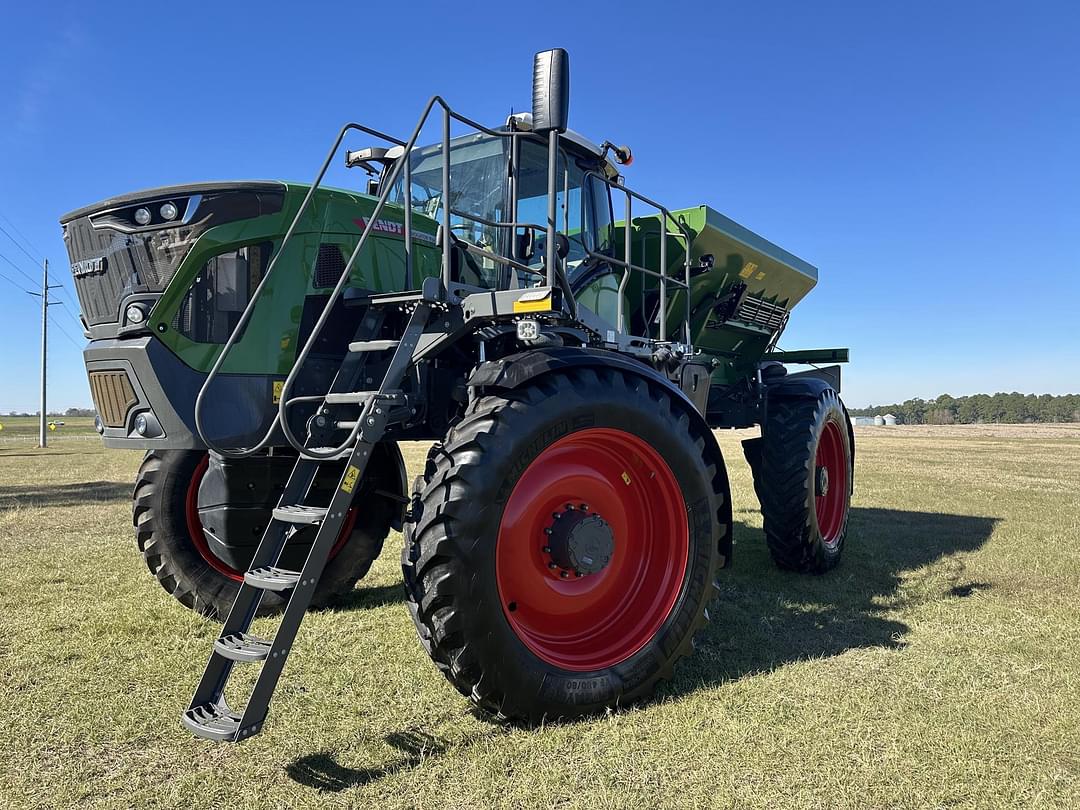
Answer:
(938, 666)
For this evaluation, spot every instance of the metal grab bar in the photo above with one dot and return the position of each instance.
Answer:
(250, 307)
(628, 266)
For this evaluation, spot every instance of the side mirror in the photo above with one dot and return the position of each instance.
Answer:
(551, 91)
(524, 245)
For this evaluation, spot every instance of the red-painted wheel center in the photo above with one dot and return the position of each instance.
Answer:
(198, 538)
(831, 482)
(630, 551)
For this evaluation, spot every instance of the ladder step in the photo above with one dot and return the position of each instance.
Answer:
(349, 397)
(272, 578)
(359, 397)
(242, 647)
(373, 345)
(342, 454)
(299, 513)
(212, 721)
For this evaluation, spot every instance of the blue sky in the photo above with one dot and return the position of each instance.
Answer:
(923, 155)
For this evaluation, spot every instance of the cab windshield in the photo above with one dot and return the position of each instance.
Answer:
(478, 187)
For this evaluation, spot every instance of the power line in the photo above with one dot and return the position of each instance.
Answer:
(16, 284)
(72, 313)
(66, 334)
(15, 242)
(35, 260)
(15, 228)
(19, 269)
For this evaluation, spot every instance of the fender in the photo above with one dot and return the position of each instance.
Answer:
(394, 460)
(805, 384)
(515, 370)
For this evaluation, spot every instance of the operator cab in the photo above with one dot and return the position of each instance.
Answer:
(498, 187)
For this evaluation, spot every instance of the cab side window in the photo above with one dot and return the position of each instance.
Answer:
(574, 215)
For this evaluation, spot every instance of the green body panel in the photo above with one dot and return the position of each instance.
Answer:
(269, 344)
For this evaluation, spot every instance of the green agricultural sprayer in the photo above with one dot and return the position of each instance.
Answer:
(568, 344)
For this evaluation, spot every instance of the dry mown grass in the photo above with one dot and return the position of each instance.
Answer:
(940, 665)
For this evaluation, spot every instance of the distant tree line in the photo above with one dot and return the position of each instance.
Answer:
(1012, 408)
(68, 412)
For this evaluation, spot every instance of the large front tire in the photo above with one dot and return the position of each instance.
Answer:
(564, 543)
(168, 533)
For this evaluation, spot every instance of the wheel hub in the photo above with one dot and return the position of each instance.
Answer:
(821, 481)
(579, 542)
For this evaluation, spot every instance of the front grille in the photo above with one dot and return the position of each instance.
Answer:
(761, 313)
(113, 396)
(108, 265)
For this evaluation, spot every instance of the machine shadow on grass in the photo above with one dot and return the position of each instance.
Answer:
(64, 494)
(763, 617)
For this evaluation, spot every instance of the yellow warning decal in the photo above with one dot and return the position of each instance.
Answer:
(349, 481)
(748, 270)
(626, 478)
(539, 305)
(279, 386)
(759, 276)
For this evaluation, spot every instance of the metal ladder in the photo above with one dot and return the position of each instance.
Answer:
(209, 715)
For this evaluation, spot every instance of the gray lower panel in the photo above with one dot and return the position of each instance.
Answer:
(238, 412)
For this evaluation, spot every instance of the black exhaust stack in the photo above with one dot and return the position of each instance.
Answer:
(551, 91)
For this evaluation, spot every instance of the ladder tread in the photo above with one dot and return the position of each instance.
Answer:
(213, 721)
(242, 647)
(300, 513)
(373, 345)
(358, 397)
(272, 578)
(340, 455)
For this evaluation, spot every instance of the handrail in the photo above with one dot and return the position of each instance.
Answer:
(386, 187)
(250, 307)
(628, 266)
(403, 167)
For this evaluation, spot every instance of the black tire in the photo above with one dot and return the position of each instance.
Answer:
(449, 560)
(165, 540)
(787, 482)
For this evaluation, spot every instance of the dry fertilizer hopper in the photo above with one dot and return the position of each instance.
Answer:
(568, 343)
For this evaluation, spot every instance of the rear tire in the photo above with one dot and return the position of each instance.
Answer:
(804, 481)
(166, 537)
(507, 629)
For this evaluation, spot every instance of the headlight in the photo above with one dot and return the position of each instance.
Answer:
(142, 216)
(169, 211)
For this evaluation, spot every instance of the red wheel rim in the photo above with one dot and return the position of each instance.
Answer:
(599, 619)
(832, 505)
(198, 537)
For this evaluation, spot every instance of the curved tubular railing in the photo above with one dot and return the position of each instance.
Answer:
(243, 452)
(628, 267)
(404, 165)
(400, 168)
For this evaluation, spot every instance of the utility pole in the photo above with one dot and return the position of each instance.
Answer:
(45, 304)
(42, 437)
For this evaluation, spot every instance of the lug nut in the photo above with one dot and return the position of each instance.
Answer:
(546, 549)
(552, 566)
(564, 574)
(547, 531)
(584, 507)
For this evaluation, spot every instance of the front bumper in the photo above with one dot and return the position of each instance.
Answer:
(136, 377)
